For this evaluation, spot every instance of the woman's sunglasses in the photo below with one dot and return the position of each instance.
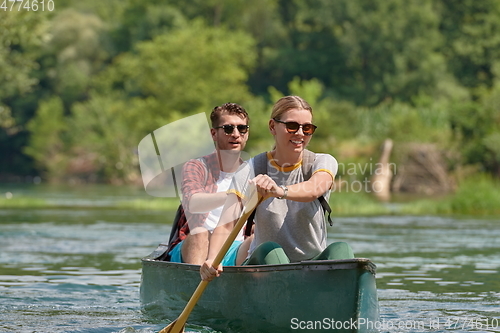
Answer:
(228, 129)
(292, 127)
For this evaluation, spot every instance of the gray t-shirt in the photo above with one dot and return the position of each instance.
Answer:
(299, 227)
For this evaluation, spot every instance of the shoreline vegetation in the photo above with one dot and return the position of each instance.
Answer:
(476, 196)
(83, 85)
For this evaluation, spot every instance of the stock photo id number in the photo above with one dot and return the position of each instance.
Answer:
(27, 5)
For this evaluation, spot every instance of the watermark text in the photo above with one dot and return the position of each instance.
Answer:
(453, 323)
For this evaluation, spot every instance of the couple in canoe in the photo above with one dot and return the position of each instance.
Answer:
(294, 184)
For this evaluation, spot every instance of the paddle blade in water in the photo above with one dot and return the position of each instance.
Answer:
(174, 327)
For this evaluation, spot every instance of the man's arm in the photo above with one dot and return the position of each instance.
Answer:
(205, 202)
(196, 195)
(230, 214)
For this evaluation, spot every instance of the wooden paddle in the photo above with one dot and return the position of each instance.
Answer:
(177, 326)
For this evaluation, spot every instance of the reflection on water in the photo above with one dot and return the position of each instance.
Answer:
(77, 269)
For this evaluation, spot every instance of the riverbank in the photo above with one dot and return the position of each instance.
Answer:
(478, 196)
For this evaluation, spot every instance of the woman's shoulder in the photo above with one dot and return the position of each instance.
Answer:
(326, 162)
(322, 157)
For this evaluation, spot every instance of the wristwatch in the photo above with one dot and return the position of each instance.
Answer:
(285, 192)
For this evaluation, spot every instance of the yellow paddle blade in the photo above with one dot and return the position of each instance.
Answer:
(174, 327)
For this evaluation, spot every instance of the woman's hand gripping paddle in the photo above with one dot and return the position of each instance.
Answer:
(177, 326)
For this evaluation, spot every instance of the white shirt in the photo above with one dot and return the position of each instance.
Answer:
(223, 183)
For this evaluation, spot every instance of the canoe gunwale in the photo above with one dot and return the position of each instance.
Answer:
(310, 265)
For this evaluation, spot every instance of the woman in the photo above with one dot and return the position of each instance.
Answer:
(289, 224)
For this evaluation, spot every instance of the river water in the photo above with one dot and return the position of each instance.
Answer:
(76, 268)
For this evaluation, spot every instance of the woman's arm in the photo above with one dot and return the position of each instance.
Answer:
(307, 191)
(310, 190)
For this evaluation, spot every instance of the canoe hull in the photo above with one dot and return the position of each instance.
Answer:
(323, 295)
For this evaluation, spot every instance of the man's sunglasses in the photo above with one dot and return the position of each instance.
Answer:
(292, 127)
(228, 129)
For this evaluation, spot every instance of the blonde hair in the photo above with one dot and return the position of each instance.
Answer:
(287, 103)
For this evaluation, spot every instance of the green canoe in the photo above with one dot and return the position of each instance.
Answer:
(324, 295)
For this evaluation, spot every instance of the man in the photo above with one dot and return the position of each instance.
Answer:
(204, 185)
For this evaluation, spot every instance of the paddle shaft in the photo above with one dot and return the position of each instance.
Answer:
(178, 325)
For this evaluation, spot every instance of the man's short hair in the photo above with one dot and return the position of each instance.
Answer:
(228, 108)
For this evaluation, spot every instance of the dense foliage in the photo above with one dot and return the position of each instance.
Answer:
(81, 85)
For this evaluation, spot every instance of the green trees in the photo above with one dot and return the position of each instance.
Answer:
(75, 53)
(46, 144)
(21, 36)
(80, 86)
(364, 51)
(477, 127)
(186, 71)
(472, 40)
